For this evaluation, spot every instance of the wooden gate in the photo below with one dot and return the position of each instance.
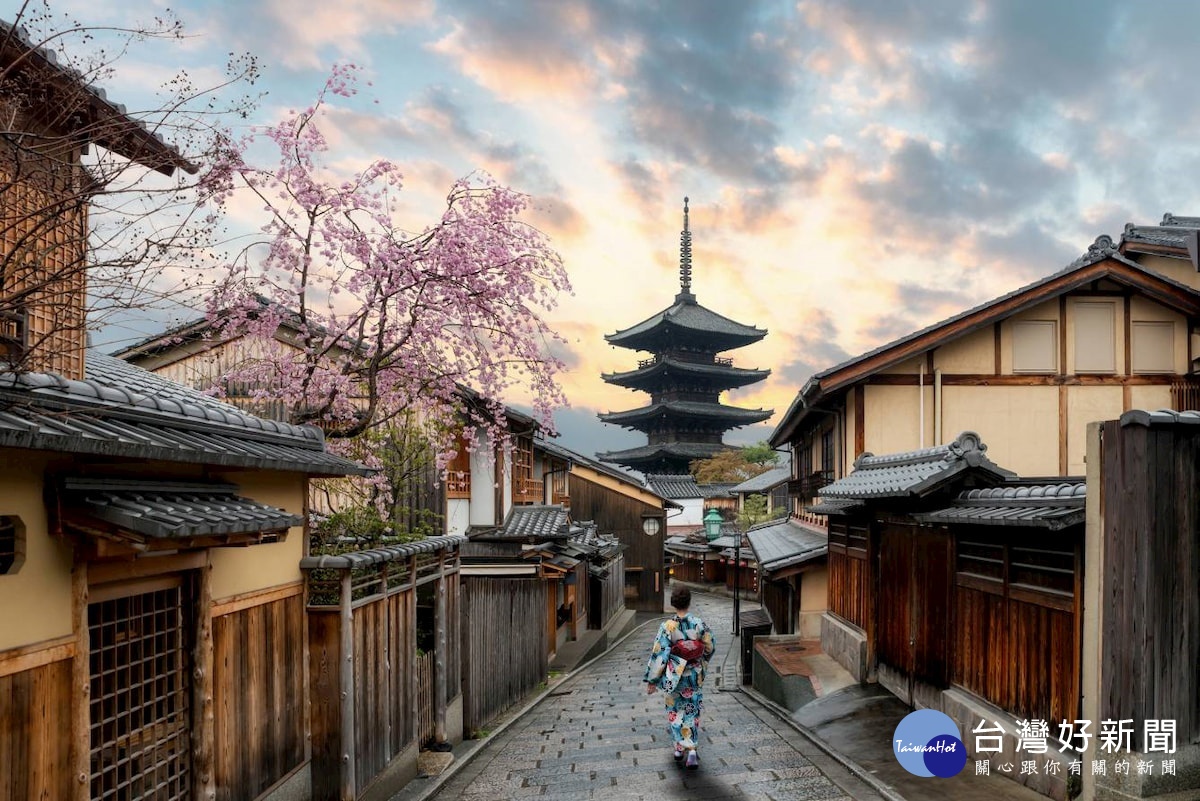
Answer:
(914, 608)
(140, 694)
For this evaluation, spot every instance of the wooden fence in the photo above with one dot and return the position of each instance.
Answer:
(365, 683)
(504, 644)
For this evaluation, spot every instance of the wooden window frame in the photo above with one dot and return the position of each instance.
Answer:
(1029, 326)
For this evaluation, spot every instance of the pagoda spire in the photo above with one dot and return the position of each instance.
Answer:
(685, 257)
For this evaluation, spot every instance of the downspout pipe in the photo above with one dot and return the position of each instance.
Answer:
(937, 406)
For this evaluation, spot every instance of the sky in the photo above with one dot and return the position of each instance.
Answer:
(856, 170)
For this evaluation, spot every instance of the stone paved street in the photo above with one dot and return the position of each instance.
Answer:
(599, 736)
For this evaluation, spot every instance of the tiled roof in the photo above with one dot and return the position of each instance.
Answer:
(835, 506)
(1162, 417)
(674, 486)
(718, 489)
(1176, 232)
(785, 543)
(724, 541)
(732, 415)
(915, 473)
(115, 130)
(388, 553)
(651, 453)
(174, 510)
(764, 481)
(534, 522)
(123, 411)
(1053, 506)
(690, 316)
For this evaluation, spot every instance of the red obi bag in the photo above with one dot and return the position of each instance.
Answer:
(690, 650)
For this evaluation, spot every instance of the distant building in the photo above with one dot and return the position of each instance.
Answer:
(685, 419)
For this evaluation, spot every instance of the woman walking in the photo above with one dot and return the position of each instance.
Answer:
(678, 660)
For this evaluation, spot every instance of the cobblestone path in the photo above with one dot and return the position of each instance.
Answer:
(599, 736)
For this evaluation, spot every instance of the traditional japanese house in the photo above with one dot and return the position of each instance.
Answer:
(959, 587)
(620, 506)
(791, 560)
(1113, 331)
(156, 537)
(684, 377)
(772, 485)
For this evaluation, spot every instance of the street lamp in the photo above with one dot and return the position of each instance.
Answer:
(737, 580)
(712, 524)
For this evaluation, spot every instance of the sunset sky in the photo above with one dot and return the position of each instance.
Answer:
(856, 169)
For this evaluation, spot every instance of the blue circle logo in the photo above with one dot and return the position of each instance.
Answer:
(927, 743)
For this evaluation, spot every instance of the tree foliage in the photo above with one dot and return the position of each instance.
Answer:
(392, 325)
(735, 464)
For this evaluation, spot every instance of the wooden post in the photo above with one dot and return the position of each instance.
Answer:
(81, 682)
(349, 753)
(204, 783)
(440, 663)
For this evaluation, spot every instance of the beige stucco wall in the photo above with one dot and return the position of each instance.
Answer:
(849, 454)
(1044, 311)
(1118, 308)
(1087, 405)
(893, 418)
(240, 570)
(973, 354)
(1143, 309)
(1178, 269)
(1150, 398)
(910, 367)
(1018, 424)
(36, 600)
(814, 601)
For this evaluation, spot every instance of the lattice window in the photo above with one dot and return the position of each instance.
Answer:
(12, 544)
(140, 710)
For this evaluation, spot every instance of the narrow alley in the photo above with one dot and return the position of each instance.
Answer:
(599, 736)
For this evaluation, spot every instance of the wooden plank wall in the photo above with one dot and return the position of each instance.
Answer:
(385, 685)
(324, 642)
(849, 577)
(504, 644)
(258, 697)
(615, 513)
(612, 592)
(1150, 610)
(777, 598)
(35, 732)
(1017, 646)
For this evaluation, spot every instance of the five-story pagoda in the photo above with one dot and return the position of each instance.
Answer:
(685, 419)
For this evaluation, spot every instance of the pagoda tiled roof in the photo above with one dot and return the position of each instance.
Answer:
(671, 451)
(730, 416)
(723, 376)
(691, 319)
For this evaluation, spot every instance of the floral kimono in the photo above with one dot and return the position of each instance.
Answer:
(679, 680)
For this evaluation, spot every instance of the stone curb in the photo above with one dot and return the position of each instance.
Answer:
(785, 715)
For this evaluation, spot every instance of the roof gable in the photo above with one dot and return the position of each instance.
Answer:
(1102, 261)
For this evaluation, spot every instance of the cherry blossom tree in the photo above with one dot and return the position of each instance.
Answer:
(391, 326)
